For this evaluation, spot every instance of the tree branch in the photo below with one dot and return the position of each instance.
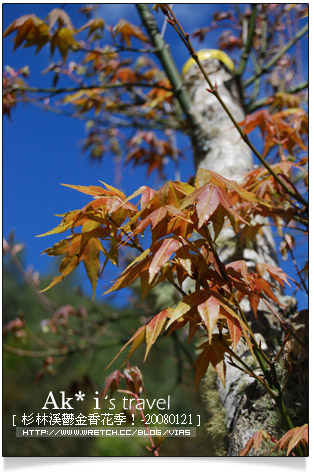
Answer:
(55, 90)
(261, 102)
(277, 56)
(249, 41)
(163, 51)
(28, 353)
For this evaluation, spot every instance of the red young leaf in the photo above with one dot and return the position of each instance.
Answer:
(112, 382)
(167, 248)
(154, 328)
(207, 203)
(212, 354)
(275, 272)
(255, 441)
(137, 339)
(292, 438)
(235, 330)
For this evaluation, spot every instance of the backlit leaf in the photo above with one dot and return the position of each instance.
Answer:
(137, 339)
(167, 248)
(154, 328)
(127, 30)
(293, 438)
(275, 272)
(209, 312)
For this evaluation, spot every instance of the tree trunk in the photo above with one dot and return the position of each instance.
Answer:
(246, 406)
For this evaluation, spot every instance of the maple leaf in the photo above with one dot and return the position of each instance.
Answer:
(158, 219)
(236, 329)
(127, 30)
(134, 379)
(293, 438)
(212, 354)
(91, 190)
(148, 332)
(187, 303)
(90, 255)
(205, 176)
(79, 248)
(94, 24)
(70, 247)
(206, 199)
(254, 441)
(260, 118)
(67, 222)
(209, 312)
(133, 271)
(29, 29)
(136, 340)
(275, 272)
(158, 96)
(166, 249)
(154, 328)
(277, 129)
(112, 382)
(60, 16)
(64, 40)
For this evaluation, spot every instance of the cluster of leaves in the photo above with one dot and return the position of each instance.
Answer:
(119, 91)
(132, 377)
(57, 29)
(287, 128)
(147, 149)
(260, 182)
(291, 439)
(11, 80)
(182, 248)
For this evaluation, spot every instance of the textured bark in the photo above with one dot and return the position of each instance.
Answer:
(246, 406)
(226, 153)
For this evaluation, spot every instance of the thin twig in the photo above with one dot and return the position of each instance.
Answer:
(65, 90)
(28, 353)
(249, 41)
(265, 100)
(278, 56)
(296, 266)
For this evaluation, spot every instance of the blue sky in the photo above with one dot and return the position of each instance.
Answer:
(41, 150)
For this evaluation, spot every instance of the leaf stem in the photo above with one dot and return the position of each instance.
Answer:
(28, 353)
(154, 449)
(224, 273)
